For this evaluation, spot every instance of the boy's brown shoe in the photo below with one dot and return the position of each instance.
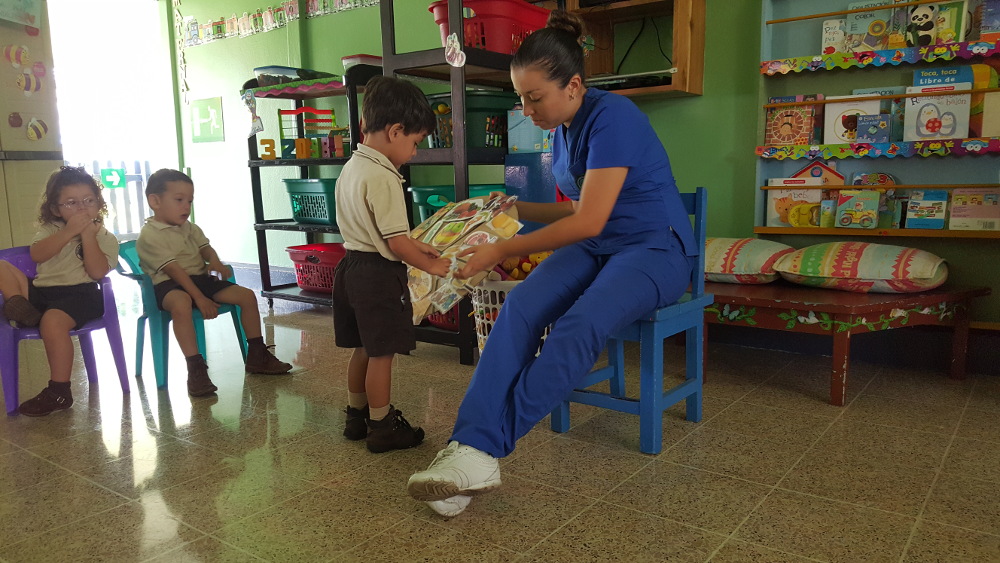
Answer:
(356, 426)
(392, 433)
(198, 382)
(46, 402)
(21, 311)
(261, 360)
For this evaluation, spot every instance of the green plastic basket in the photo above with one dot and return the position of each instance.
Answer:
(313, 200)
(485, 119)
(428, 199)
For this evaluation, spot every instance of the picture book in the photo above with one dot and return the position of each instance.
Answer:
(937, 117)
(892, 107)
(951, 22)
(827, 173)
(857, 209)
(921, 31)
(942, 75)
(840, 123)
(926, 209)
(874, 128)
(872, 179)
(899, 20)
(828, 213)
(834, 38)
(868, 31)
(983, 76)
(975, 209)
(454, 227)
(891, 210)
(989, 28)
(793, 208)
(793, 125)
(792, 182)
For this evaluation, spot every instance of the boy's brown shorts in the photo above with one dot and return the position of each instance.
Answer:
(83, 302)
(207, 284)
(371, 305)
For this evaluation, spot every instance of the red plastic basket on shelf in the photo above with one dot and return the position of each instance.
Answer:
(315, 264)
(493, 25)
(446, 321)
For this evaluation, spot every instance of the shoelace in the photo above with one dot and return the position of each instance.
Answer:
(400, 421)
(444, 454)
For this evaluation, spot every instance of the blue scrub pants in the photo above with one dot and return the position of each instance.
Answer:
(588, 296)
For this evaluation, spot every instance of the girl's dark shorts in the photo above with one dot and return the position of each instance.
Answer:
(207, 284)
(83, 302)
(371, 305)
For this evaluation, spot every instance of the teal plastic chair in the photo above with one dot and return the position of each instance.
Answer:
(686, 315)
(159, 320)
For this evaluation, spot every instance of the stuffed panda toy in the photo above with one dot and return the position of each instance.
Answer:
(920, 31)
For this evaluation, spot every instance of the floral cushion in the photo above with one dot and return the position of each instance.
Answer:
(742, 260)
(864, 267)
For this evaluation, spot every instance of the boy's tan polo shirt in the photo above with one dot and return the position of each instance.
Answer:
(160, 244)
(370, 203)
(66, 267)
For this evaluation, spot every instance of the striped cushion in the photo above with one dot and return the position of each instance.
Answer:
(864, 267)
(742, 260)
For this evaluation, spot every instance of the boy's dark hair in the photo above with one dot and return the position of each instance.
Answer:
(554, 49)
(157, 183)
(391, 100)
(67, 176)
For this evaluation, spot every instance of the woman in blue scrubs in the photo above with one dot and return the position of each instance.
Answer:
(623, 247)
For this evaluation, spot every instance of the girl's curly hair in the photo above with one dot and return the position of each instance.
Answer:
(67, 176)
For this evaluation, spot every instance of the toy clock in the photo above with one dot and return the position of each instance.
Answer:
(789, 126)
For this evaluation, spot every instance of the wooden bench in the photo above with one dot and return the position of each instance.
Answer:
(841, 314)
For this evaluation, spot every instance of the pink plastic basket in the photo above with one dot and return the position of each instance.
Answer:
(315, 264)
(493, 25)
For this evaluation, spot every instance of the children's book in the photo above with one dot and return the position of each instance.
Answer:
(792, 182)
(950, 23)
(792, 208)
(840, 125)
(834, 37)
(942, 75)
(892, 107)
(857, 209)
(989, 28)
(874, 128)
(454, 227)
(827, 173)
(937, 117)
(899, 19)
(793, 125)
(926, 209)
(975, 209)
(868, 31)
(921, 31)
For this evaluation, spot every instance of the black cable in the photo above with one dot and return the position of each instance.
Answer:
(627, 51)
(660, 47)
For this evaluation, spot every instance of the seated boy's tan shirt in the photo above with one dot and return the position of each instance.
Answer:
(66, 267)
(370, 203)
(160, 244)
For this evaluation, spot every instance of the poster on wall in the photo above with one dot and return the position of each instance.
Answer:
(206, 121)
(27, 12)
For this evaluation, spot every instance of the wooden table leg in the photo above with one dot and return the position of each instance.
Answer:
(959, 341)
(841, 362)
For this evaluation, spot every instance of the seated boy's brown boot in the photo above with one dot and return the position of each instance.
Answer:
(198, 381)
(21, 311)
(261, 360)
(392, 433)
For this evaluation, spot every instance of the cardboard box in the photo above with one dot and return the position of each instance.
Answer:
(454, 227)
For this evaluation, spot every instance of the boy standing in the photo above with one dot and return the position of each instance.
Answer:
(372, 312)
(177, 255)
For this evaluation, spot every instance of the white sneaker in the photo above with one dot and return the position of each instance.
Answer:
(457, 470)
(450, 506)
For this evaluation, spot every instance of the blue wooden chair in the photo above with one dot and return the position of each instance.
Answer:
(686, 315)
(159, 320)
(11, 336)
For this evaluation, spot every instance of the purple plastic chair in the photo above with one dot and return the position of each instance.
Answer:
(10, 336)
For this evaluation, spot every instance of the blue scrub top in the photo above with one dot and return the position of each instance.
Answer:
(610, 131)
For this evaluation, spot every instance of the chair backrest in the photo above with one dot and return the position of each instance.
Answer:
(696, 205)
(128, 254)
(20, 257)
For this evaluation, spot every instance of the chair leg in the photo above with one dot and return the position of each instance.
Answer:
(140, 343)
(650, 389)
(616, 359)
(559, 418)
(9, 371)
(199, 333)
(694, 360)
(240, 333)
(87, 349)
(159, 336)
(114, 332)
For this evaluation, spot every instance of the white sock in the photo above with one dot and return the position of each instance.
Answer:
(378, 413)
(357, 400)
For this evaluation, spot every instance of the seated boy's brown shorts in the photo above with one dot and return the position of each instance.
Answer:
(207, 284)
(83, 302)
(371, 305)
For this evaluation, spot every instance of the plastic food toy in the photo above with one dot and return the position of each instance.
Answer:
(519, 267)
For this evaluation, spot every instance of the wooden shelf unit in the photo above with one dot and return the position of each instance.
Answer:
(845, 232)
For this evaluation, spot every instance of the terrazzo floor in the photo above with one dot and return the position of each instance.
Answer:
(908, 471)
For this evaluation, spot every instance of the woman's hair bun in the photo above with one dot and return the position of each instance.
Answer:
(565, 21)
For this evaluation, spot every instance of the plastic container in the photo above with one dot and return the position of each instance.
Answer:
(446, 321)
(494, 25)
(428, 199)
(487, 299)
(485, 119)
(315, 264)
(271, 75)
(312, 200)
(351, 60)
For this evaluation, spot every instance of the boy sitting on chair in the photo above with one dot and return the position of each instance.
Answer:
(176, 254)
